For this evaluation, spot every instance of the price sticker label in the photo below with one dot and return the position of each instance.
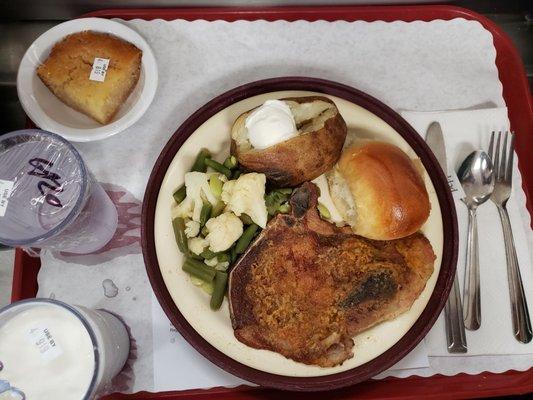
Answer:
(6, 187)
(99, 69)
(45, 343)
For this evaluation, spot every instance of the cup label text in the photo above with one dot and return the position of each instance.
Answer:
(43, 340)
(6, 187)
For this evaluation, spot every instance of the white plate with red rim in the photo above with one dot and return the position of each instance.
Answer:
(50, 114)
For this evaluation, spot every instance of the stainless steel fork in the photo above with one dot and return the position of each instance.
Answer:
(503, 168)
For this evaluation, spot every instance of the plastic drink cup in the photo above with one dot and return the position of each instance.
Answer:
(48, 197)
(51, 350)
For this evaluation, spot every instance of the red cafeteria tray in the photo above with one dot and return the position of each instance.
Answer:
(520, 104)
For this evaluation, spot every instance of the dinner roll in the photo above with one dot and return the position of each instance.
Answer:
(378, 191)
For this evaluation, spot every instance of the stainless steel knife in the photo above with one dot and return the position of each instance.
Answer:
(453, 311)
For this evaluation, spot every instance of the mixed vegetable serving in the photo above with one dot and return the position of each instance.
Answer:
(218, 212)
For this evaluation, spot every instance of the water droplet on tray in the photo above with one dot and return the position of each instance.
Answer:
(52, 296)
(110, 289)
(128, 288)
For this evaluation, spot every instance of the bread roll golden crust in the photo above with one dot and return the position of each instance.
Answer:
(67, 69)
(389, 194)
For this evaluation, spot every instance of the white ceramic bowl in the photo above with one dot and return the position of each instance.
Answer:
(50, 114)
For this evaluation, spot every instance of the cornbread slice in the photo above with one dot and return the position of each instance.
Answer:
(67, 69)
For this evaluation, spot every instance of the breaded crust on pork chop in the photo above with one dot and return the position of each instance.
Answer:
(306, 286)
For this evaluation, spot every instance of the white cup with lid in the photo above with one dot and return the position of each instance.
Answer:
(52, 350)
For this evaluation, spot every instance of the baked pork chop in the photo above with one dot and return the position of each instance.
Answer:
(305, 286)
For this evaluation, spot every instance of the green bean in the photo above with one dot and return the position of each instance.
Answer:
(284, 208)
(236, 174)
(221, 280)
(245, 239)
(178, 224)
(195, 256)
(218, 167)
(223, 257)
(218, 209)
(200, 162)
(205, 212)
(215, 184)
(208, 254)
(204, 231)
(199, 269)
(233, 255)
(323, 211)
(246, 220)
(230, 162)
(180, 194)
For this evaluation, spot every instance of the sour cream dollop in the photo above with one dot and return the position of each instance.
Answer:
(270, 124)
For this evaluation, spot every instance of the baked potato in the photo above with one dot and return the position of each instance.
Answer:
(321, 132)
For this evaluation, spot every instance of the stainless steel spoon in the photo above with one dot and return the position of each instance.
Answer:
(477, 178)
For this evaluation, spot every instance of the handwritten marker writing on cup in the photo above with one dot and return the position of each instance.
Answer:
(48, 197)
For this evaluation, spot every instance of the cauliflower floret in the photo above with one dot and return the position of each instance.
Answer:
(223, 178)
(197, 187)
(192, 229)
(197, 245)
(222, 266)
(211, 262)
(246, 195)
(227, 190)
(224, 230)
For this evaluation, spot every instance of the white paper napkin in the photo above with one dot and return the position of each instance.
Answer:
(197, 372)
(465, 131)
